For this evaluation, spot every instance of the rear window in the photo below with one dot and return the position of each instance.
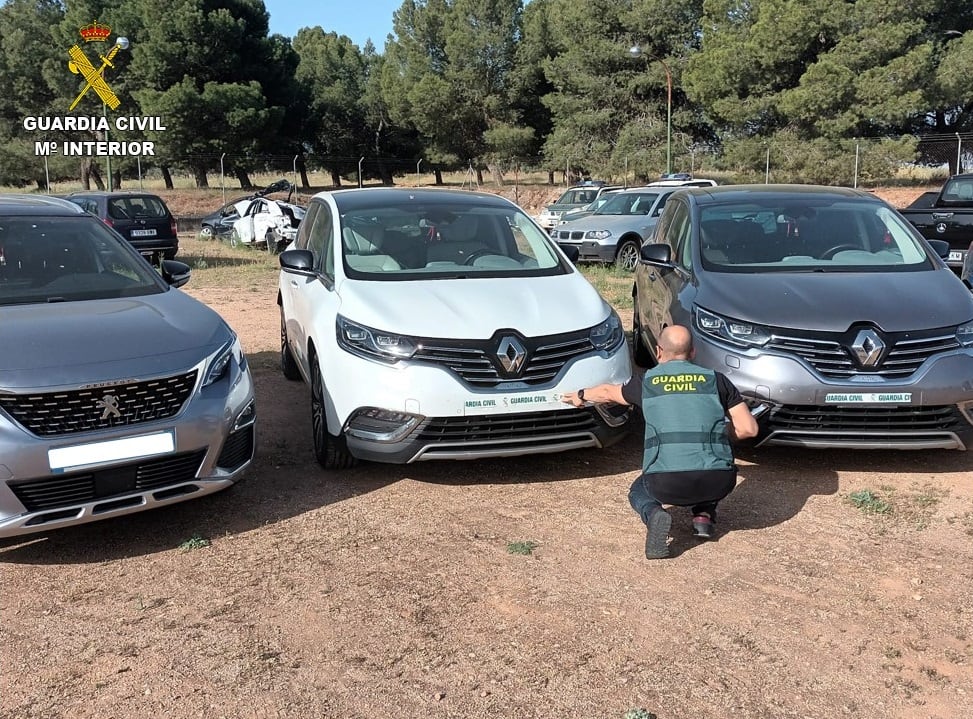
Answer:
(136, 208)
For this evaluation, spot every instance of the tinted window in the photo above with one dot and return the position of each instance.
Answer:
(302, 234)
(131, 208)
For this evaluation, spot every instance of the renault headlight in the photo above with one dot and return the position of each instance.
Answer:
(609, 335)
(373, 344)
(219, 364)
(597, 234)
(964, 334)
(734, 331)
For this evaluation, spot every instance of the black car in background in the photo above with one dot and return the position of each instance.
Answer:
(140, 217)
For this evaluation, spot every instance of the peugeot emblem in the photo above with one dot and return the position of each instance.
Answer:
(868, 348)
(511, 355)
(109, 406)
(940, 227)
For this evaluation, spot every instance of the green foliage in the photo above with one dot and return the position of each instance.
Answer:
(869, 502)
(523, 548)
(639, 714)
(194, 542)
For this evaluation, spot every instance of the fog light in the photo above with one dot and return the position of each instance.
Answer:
(614, 415)
(247, 417)
(381, 425)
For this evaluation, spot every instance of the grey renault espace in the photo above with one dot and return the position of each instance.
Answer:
(838, 323)
(118, 392)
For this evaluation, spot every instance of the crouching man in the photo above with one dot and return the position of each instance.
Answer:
(692, 414)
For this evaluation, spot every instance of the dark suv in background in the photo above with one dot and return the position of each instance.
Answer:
(141, 218)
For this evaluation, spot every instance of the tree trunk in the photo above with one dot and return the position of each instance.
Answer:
(116, 178)
(550, 177)
(302, 166)
(167, 177)
(96, 174)
(439, 176)
(243, 178)
(497, 174)
(335, 178)
(479, 177)
(199, 173)
(86, 173)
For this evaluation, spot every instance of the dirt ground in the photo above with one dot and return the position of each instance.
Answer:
(838, 587)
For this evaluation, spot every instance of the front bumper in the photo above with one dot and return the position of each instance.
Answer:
(591, 250)
(508, 435)
(795, 406)
(212, 444)
(450, 420)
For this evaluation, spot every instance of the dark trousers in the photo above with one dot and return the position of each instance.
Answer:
(708, 494)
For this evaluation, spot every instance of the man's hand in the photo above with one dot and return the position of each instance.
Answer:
(572, 398)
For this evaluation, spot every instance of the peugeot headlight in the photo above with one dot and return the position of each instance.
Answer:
(372, 343)
(609, 335)
(220, 362)
(740, 333)
(597, 234)
(964, 334)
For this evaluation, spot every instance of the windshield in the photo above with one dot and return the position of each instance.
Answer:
(628, 203)
(807, 234)
(420, 242)
(958, 191)
(64, 259)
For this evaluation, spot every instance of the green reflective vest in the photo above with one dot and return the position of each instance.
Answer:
(685, 424)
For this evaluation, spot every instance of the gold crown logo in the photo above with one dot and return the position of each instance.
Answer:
(95, 32)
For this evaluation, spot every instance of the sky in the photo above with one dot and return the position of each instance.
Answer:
(358, 19)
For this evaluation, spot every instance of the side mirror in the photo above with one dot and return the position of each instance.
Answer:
(300, 262)
(940, 247)
(656, 254)
(175, 273)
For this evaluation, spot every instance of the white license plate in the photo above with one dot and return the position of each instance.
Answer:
(531, 402)
(869, 397)
(79, 456)
(956, 256)
(143, 233)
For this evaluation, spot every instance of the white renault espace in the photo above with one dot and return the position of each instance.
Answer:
(437, 324)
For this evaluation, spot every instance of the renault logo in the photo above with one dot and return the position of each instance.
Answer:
(109, 406)
(511, 355)
(868, 348)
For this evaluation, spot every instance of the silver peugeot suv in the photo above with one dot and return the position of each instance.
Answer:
(839, 324)
(118, 392)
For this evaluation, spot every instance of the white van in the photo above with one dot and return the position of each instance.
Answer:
(438, 324)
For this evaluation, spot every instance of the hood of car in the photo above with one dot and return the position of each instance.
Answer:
(474, 308)
(72, 343)
(833, 301)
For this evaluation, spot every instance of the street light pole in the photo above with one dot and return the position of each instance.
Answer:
(636, 51)
(122, 44)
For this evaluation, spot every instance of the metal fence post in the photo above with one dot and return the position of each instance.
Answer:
(767, 168)
(959, 153)
(857, 145)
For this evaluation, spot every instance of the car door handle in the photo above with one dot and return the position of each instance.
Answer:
(942, 215)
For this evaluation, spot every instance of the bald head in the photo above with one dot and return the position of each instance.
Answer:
(675, 342)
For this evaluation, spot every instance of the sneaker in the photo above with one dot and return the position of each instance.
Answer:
(702, 527)
(657, 535)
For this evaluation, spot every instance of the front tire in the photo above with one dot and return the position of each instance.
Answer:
(330, 451)
(235, 239)
(206, 232)
(627, 256)
(288, 365)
